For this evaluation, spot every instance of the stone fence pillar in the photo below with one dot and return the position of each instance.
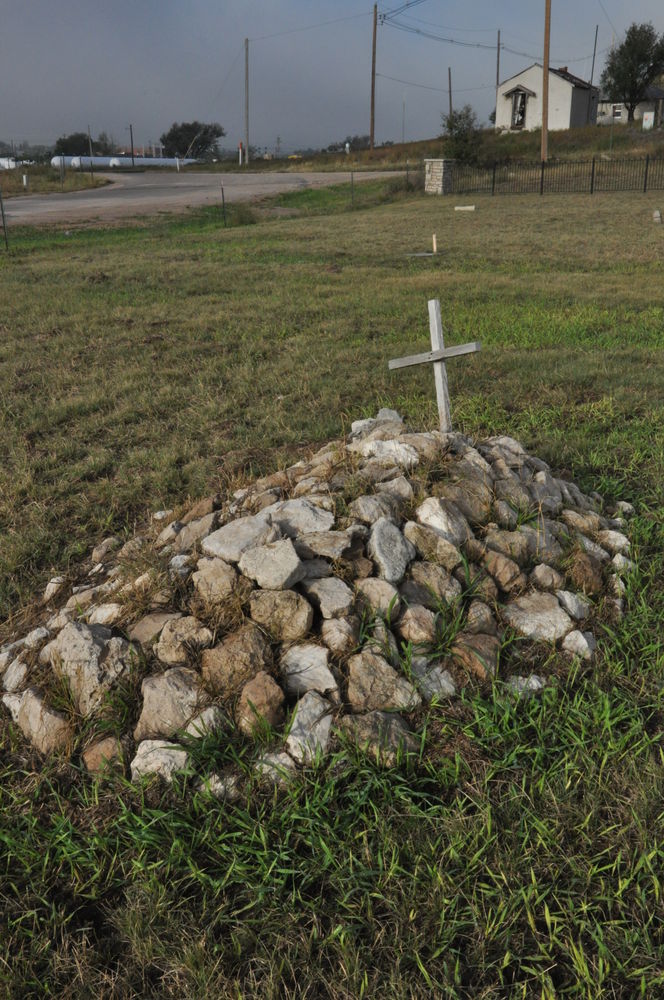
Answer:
(438, 176)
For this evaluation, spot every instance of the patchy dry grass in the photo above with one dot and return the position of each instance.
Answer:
(521, 854)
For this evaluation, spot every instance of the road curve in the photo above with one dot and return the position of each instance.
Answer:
(141, 194)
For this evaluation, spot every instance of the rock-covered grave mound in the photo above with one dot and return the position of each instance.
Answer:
(328, 601)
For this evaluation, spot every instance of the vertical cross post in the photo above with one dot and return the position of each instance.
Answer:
(439, 370)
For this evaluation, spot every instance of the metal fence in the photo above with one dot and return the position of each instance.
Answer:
(560, 176)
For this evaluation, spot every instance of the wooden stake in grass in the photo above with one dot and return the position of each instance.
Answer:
(437, 356)
(4, 221)
(434, 244)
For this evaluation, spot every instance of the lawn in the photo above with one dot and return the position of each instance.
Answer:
(141, 366)
(46, 180)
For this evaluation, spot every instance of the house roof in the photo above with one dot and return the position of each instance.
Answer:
(519, 89)
(563, 73)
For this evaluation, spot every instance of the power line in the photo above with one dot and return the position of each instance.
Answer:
(613, 27)
(310, 27)
(438, 90)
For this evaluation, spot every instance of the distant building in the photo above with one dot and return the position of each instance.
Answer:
(608, 111)
(572, 101)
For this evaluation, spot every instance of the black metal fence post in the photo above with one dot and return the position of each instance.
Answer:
(645, 175)
(592, 177)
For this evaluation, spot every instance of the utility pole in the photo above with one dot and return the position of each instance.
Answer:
(545, 82)
(403, 121)
(373, 78)
(449, 86)
(592, 74)
(131, 137)
(497, 72)
(246, 100)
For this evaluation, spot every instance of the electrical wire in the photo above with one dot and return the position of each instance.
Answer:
(438, 90)
(310, 27)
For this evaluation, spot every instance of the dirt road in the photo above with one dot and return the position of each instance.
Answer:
(141, 194)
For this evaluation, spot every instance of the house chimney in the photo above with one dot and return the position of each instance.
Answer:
(562, 69)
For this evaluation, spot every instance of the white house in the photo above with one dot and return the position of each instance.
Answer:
(608, 111)
(572, 101)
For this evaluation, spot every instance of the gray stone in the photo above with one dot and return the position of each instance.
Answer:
(374, 685)
(542, 543)
(180, 636)
(382, 641)
(161, 758)
(432, 679)
(340, 635)
(398, 487)
(445, 518)
(193, 532)
(431, 545)
(587, 522)
(575, 605)
(390, 551)
(526, 687)
(430, 585)
(146, 631)
(417, 625)
(505, 515)
(546, 578)
(512, 544)
(504, 570)
(478, 653)
(384, 735)
(473, 498)
(623, 564)
(614, 542)
(592, 548)
(511, 491)
(275, 566)
(91, 661)
(231, 540)
(105, 614)
(35, 638)
(295, 517)
(624, 508)
(276, 767)
(45, 728)
(380, 595)
(538, 616)
(332, 597)
(315, 569)
(15, 675)
(169, 702)
(180, 567)
(103, 549)
(214, 580)
(369, 509)
(332, 545)
(53, 588)
(224, 787)
(211, 720)
(286, 615)
(480, 619)
(12, 703)
(305, 668)
(309, 732)
(581, 644)
(388, 452)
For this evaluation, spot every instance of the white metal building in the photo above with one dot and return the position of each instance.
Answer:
(572, 101)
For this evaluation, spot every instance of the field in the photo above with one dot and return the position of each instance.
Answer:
(522, 856)
(45, 180)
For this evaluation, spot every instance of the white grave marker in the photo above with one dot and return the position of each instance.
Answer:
(437, 356)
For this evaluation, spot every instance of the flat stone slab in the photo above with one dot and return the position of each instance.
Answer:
(538, 616)
(169, 701)
(158, 757)
(296, 517)
(275, 566)
(374, 685)
(390, 550)
(305, 668)
(332, 597)
(234, 538)
(445, 518)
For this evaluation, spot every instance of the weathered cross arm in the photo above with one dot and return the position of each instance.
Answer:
(446, 352)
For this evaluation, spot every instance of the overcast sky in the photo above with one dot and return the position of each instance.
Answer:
(65, 64)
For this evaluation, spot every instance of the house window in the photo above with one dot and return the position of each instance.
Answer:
(518, 109)
(617, 111)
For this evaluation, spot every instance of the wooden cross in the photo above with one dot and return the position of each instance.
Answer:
(437, 355)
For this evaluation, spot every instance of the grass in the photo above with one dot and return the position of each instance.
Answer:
(520, 853)
(46, 180)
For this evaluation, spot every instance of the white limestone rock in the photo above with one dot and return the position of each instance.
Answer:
(309, 733)
(445, 518)
(332, 597)
(158, 757)
(538, 616)
(380, 595)
(169, 702)
(432, 679)
(275, 566)
(581, 644)
(92, 661)
(305, 668)
(575, 605)
(231, 540)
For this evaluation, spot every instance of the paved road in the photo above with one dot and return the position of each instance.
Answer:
(135, 195)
